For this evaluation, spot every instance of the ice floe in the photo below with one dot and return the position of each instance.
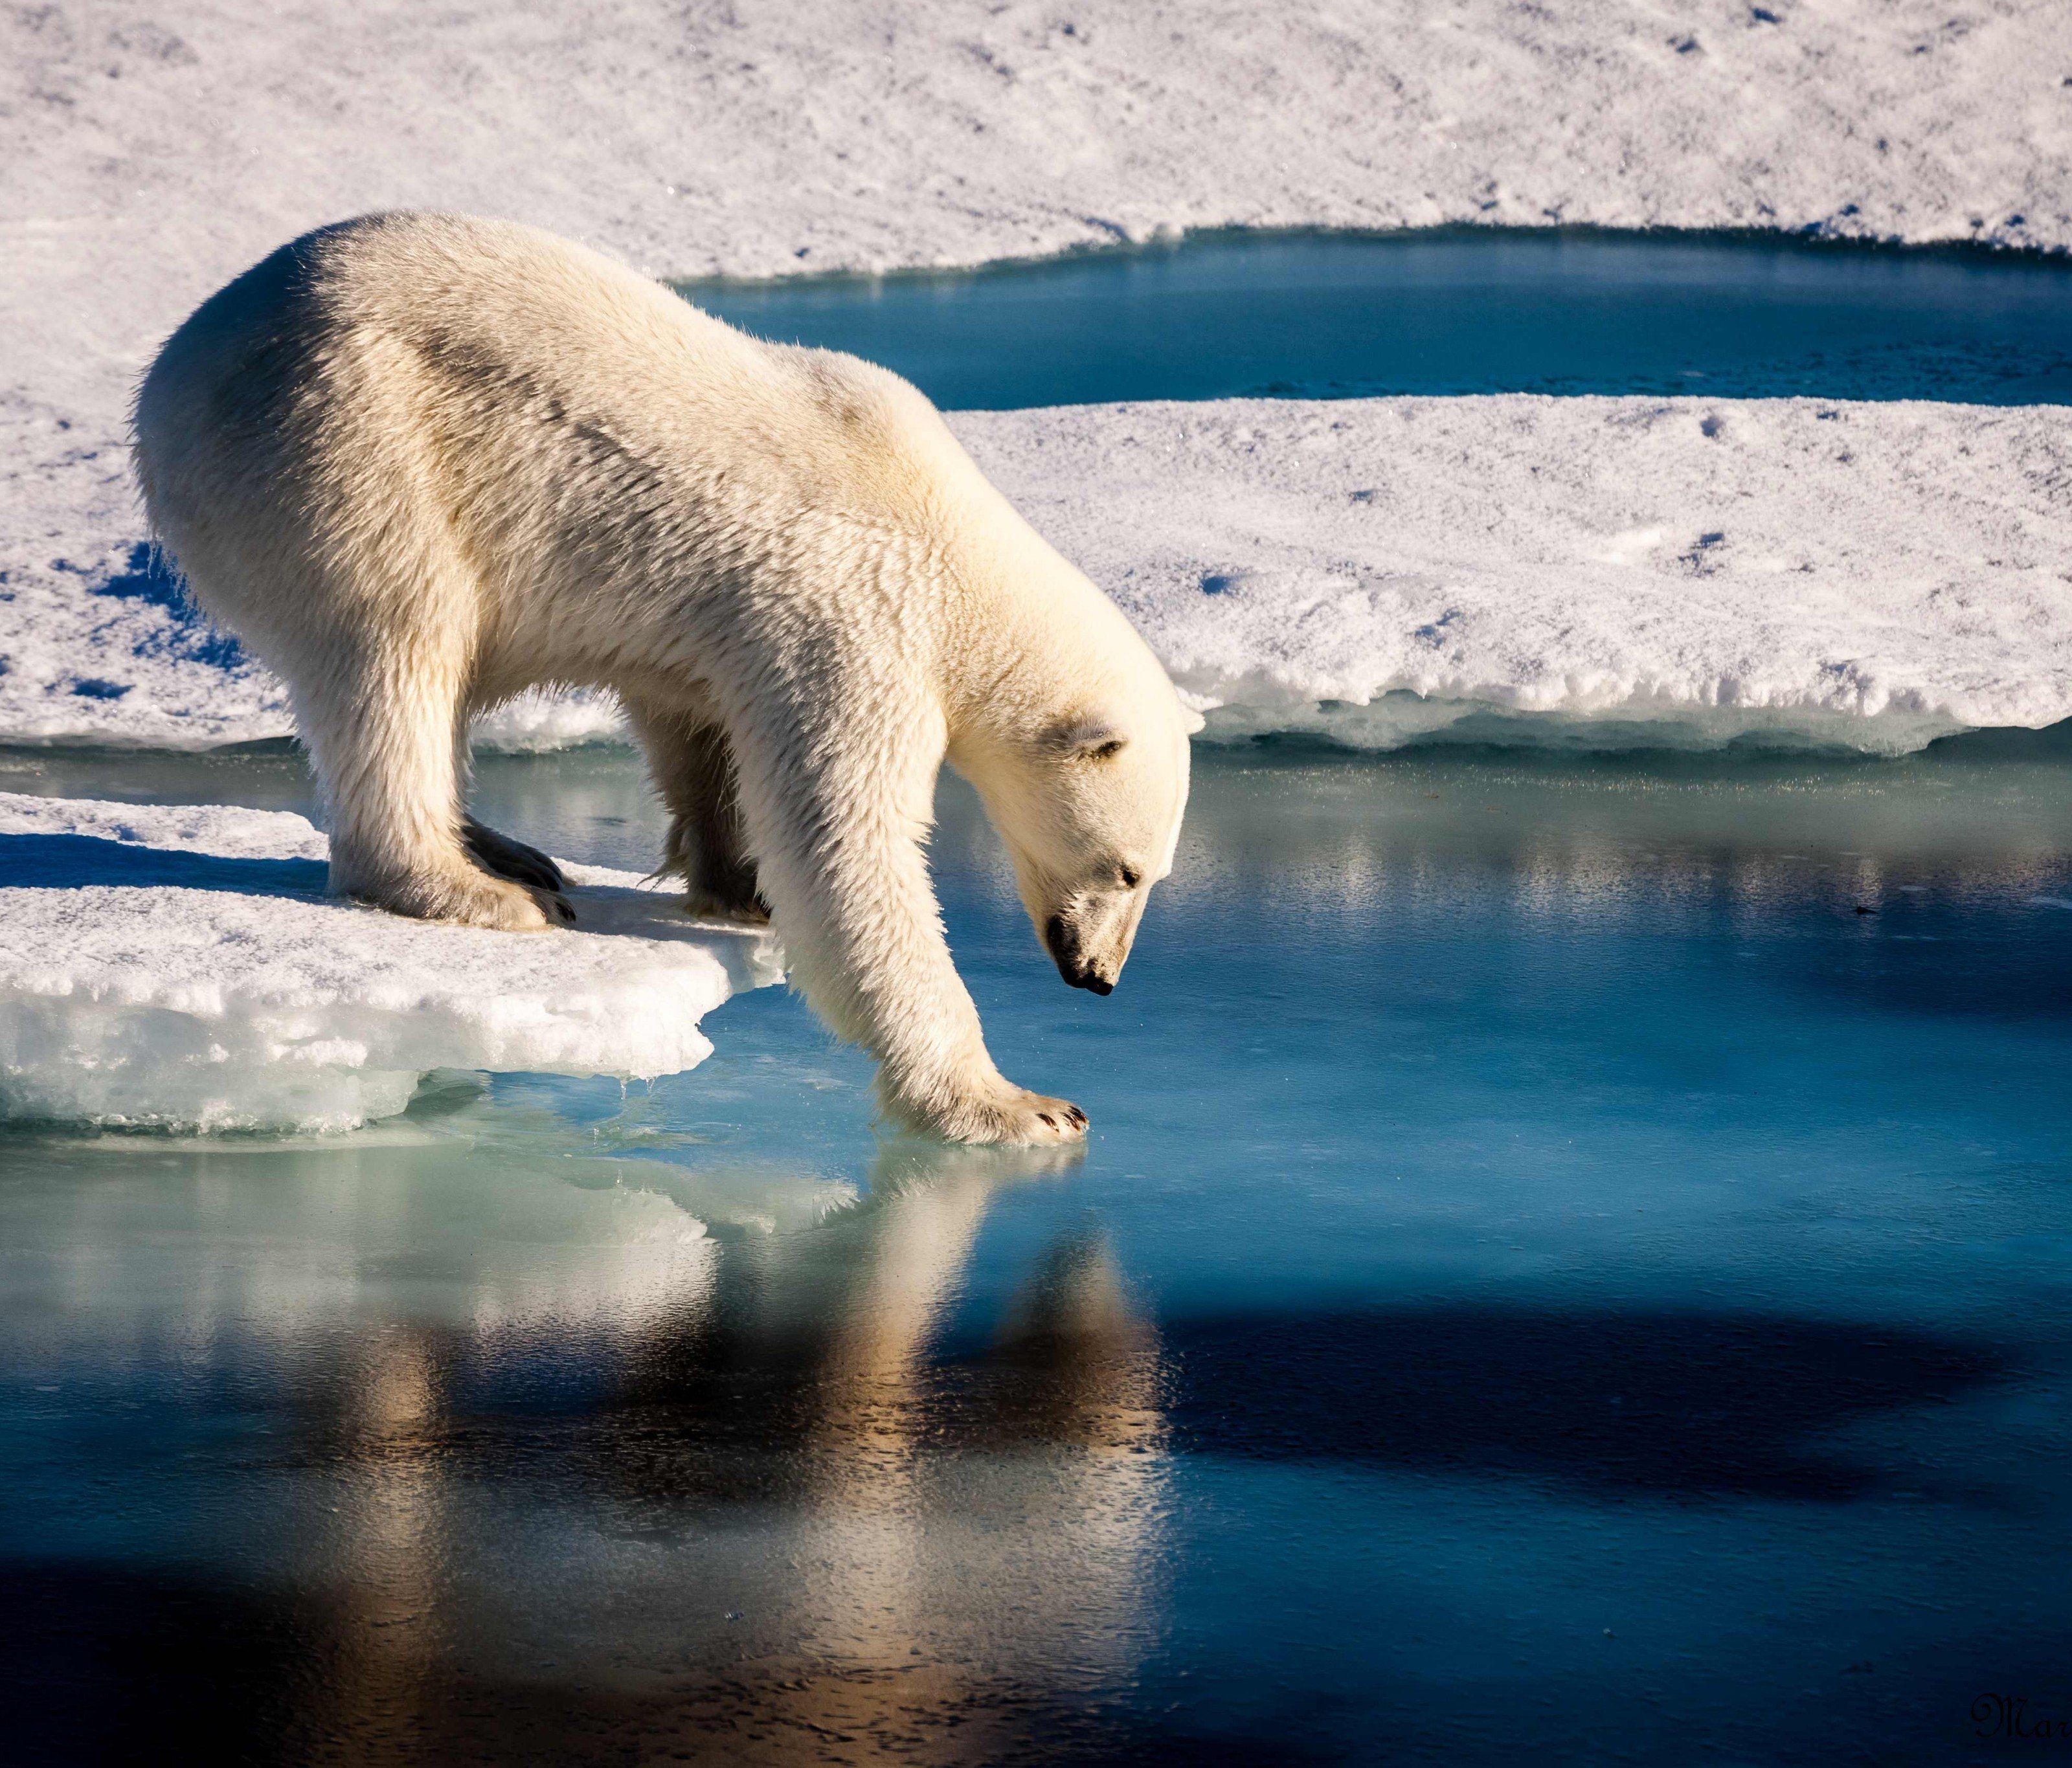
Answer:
(1616, 572)
(178, 967)
(1583, 569)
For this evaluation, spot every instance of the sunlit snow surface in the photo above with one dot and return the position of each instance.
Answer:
(1592, 571)
(180, 968)
(1865, 576)
(158, 149)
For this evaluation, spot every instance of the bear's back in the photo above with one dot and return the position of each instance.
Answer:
(378, 327)
(461, 297)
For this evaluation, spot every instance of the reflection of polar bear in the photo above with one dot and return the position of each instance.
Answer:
(420, 463)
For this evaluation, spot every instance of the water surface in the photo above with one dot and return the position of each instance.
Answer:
(1327, 316)
(1571, 1266)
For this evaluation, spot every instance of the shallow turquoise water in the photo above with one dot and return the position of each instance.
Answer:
(1551, 1280)
(1463, 312)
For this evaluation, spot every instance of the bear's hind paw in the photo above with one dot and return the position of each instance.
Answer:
(1014, 1120)
(474, 898)
(503, 857)
(704, 906)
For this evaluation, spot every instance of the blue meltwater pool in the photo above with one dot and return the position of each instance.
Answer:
(1572, 1266)
(1327, 316)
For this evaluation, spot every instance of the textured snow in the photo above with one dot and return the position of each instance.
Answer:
(151, 152)
(1615, 571)
(1871, 575)
(178, 967)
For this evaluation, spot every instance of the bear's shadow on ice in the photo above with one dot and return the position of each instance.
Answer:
(77, 862)
(149, 576)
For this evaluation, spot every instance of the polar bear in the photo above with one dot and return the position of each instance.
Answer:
(419, 463)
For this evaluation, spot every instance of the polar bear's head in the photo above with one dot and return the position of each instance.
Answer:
(1063, 718)
(1089, 802)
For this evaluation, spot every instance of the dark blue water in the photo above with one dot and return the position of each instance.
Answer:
(1474, 311)
(1574, 1264)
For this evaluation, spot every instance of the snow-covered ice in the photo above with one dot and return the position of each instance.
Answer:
(1869, 576)
(1862, 575)
(152, 151)
(178, 968)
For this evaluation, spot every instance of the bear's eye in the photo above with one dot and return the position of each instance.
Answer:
(1131, 878)
(1107, 751)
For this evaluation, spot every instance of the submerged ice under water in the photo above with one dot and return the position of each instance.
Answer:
(1565, 1244)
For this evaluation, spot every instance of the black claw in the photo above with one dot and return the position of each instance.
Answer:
(506, 858)
(1046, 1117)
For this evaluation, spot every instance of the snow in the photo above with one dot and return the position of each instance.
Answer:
(178, 967)
(1517, 569)
(152, 152)
(1869, 576)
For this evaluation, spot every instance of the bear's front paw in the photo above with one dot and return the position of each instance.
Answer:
(1012, 1118)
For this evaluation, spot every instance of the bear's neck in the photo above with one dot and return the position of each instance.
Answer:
(1021, 638)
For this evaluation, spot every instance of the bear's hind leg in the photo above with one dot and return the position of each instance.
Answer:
(382, 733)
(707, 846)
(493, 851)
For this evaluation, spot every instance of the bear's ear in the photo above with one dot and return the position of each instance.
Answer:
(1092, 734)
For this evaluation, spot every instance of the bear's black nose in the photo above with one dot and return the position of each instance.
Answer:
(1065, 953)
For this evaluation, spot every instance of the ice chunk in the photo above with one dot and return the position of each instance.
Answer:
(544, 721)
(178, 967)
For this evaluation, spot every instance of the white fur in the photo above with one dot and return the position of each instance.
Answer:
(421, 464)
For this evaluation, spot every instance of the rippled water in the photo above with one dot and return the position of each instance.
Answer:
(1571, 1266)
(1473, 310)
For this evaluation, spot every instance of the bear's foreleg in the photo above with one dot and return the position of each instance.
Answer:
(838, 831)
